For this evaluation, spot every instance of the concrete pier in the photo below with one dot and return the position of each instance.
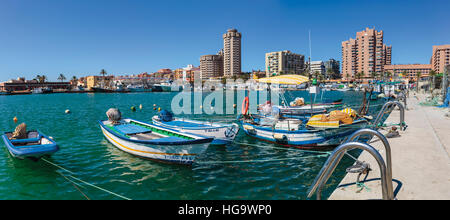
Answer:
(420, 159)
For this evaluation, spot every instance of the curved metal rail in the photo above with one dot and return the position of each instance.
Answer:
(335, 158)
(390, 104)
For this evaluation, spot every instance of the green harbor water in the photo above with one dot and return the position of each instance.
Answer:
(85, 152)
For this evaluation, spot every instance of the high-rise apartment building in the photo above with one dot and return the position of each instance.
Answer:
(211, 66)
(232, 53)
(365, 54)
(440, 58)
(317, 68)
(284, 62)
(332, 68)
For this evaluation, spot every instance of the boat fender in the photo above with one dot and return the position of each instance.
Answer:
(231, 131)
(250, 129)
(280, 137)
(245, 104)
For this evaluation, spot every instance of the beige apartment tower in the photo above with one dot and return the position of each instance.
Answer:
(284, 62)
(232, 53)
(365, 54)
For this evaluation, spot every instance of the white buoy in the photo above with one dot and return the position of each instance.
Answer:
(140, 106)
(67, 111)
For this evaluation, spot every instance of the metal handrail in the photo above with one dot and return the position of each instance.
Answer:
(335, 158)
(367, 131)
(389, 104)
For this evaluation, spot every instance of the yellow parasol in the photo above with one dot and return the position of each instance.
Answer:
(285, 79)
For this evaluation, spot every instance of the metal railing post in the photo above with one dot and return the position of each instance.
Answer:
(386, 144)
(389, 104)
(335, 158)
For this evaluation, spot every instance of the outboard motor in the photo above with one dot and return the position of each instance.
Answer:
(165, 116)
(114, 116)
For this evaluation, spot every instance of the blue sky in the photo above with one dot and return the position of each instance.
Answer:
(80, 37)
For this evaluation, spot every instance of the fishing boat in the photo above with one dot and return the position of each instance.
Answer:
(222, 133)
(166, 87)
(4, 93)
(154, 142)
(42, 90)
(307, 132)
(295, 133)
(34, 146)
(138, 88)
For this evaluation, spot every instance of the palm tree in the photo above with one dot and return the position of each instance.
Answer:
(404, 74)
(103, 72)
(74, 80)
(373, 75)
(359, 76)
(61, 77)
(418, 75)
(432, 80)
(42, 78)
(38, 78)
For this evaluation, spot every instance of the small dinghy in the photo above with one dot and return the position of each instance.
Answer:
(31, 144)
(151, 141)
(223, 133)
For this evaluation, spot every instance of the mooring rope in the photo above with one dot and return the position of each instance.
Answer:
(75, 185)
(82, 181)
(283, 148)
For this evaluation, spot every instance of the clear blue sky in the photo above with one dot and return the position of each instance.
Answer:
(80, 37)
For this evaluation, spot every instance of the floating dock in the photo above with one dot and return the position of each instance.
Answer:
(420, 159)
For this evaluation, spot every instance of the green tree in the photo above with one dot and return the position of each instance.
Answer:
(388, 76)
(61, 77)
(418, 75)
(432, 80)
(103, 72)
(41, 79)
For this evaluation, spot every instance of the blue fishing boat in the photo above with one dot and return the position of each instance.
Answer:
(35, 146)
(293, 133)
(222, 133)
(154, 142)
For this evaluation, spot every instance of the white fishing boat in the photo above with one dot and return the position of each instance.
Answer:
(153, 142)
(222, 133)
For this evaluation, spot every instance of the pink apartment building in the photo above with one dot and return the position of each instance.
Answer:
(366, 53)
(440, 58)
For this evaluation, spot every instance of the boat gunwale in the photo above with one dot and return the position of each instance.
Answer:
(360, 121)
(220, 126)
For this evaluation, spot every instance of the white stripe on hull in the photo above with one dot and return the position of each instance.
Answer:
(183, 154)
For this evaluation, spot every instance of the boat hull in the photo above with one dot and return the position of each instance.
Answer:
(47, 148)
(179, 154)
(222, 134)
(308, 139)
